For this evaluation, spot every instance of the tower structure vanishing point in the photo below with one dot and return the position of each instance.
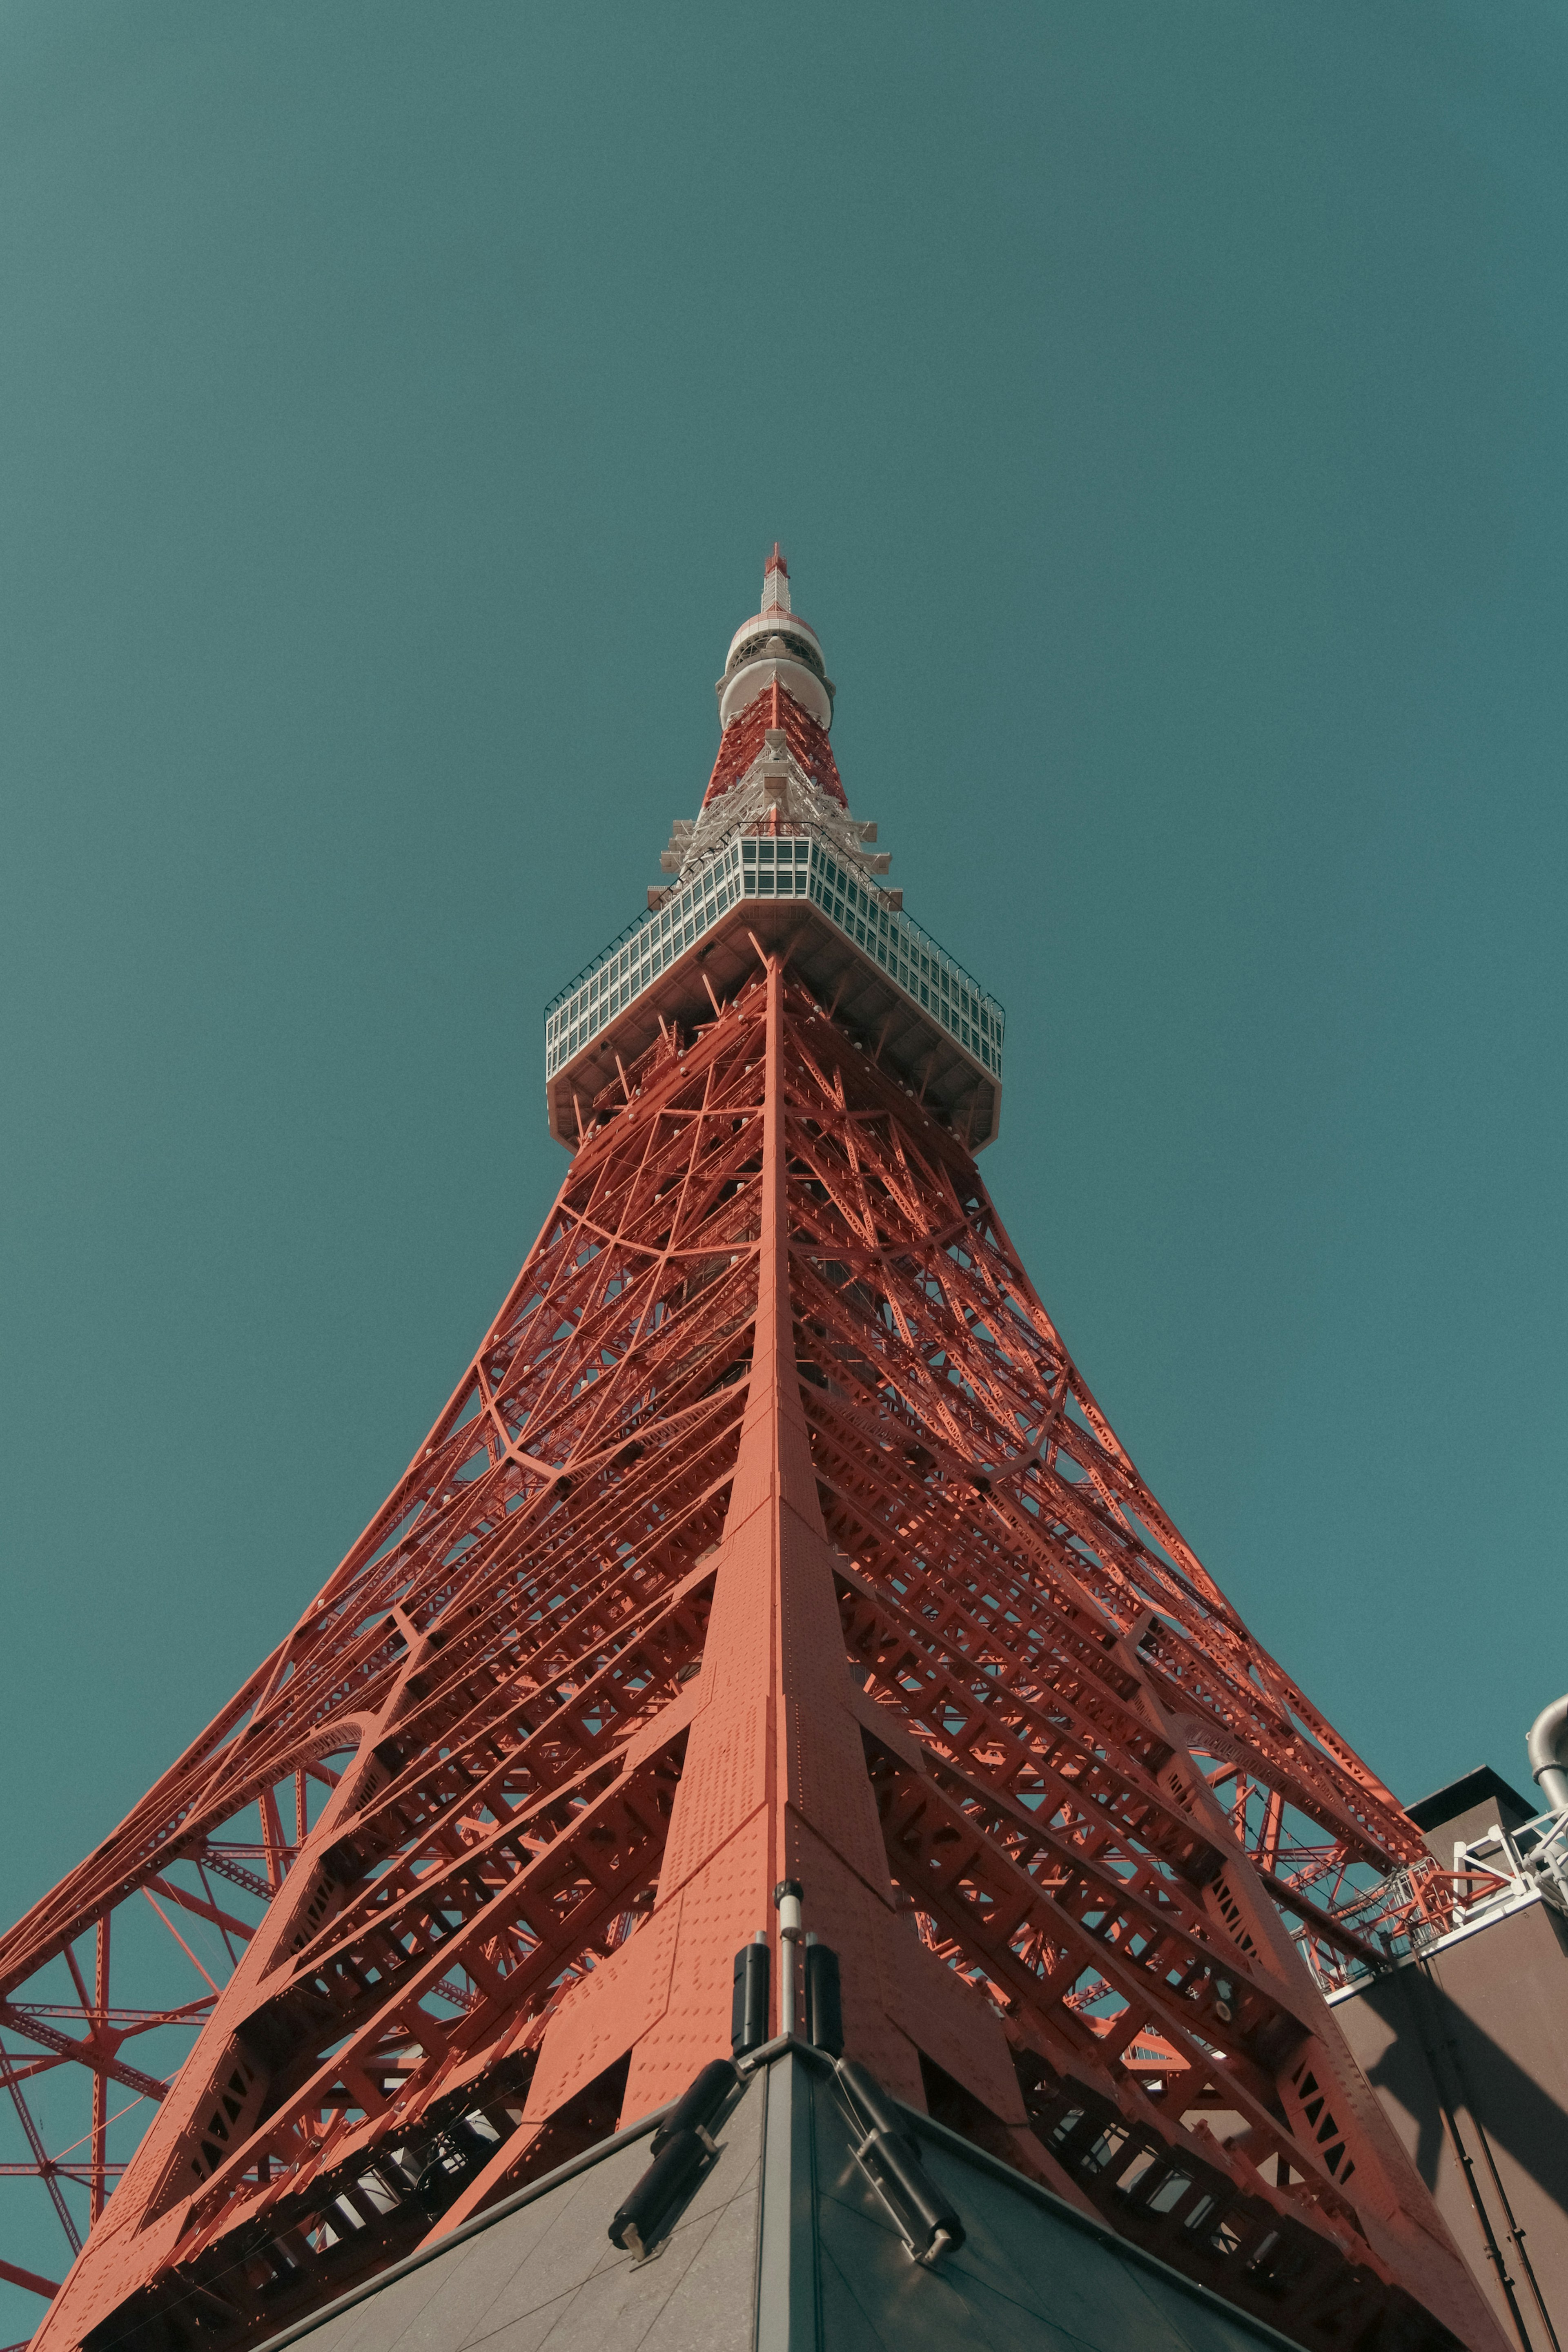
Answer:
(771, 1539)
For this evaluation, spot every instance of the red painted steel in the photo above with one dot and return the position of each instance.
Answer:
(770, 1533)
(743, 740)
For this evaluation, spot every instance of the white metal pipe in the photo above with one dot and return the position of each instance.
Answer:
(1544, 1745)
(786, 1897)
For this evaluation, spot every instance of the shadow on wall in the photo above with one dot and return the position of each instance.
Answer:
(1433, 2041)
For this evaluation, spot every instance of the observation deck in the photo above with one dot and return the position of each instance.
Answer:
(906, 1000)
(775, 860)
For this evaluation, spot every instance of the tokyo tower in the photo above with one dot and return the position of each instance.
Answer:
(772, 1661)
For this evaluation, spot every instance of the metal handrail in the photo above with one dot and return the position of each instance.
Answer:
(740, 832)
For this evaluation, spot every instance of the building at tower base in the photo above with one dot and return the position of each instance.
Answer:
(783, 2243)
(1465, 2041)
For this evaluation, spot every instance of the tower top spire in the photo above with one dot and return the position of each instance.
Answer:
(775, 645)
(776, 583)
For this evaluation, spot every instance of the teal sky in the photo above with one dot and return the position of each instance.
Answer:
(1162, 409)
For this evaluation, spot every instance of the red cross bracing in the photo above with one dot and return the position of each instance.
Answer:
(770, 1536)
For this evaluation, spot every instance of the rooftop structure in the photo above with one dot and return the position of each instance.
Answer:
(1461, 2034)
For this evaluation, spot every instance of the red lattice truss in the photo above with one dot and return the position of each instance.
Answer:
(742, 742)
(445, 1800)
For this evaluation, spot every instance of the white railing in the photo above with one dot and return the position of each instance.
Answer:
(912, 958)
(1506, 1866)
(1493, 1875)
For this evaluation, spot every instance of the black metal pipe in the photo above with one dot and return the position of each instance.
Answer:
(748, 2002)
(926, 2218)
(825, 2008)
(698, 2104)
(666, 2184)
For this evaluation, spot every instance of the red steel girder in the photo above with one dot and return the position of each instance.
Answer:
(772, 1319)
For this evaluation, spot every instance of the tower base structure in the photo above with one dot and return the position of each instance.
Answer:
(786, 2243)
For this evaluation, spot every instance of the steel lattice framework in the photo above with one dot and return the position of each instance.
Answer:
(772, 1532)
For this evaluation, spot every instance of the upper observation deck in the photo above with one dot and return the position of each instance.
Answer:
(774, 860)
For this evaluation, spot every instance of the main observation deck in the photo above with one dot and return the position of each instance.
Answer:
(906, 1000)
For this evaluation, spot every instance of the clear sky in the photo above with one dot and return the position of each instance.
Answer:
(1162, 408)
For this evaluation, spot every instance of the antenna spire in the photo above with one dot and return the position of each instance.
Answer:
(775, 582)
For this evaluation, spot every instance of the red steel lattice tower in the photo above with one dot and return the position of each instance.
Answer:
(772, 1535)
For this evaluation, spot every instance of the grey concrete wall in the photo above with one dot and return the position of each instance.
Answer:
(786, 2247)
(1482, 2026)
(547, 2274)
(1032, 2275)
